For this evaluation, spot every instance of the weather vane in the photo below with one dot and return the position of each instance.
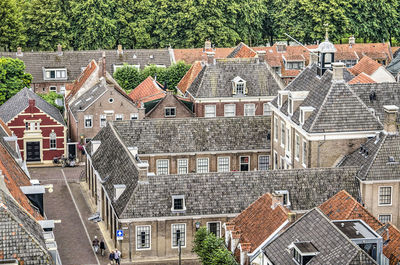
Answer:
(326, 25)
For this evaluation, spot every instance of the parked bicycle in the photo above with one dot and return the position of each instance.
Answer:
(64, 161)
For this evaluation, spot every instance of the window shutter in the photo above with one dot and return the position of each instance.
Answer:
(245, 89)
(233, 88)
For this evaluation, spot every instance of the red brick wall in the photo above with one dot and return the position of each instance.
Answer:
(259, 105)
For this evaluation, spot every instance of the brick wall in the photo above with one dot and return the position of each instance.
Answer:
(181, 111)
(259, 107)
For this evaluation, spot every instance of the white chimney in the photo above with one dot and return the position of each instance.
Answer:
(390, 122)
(207, 45)
(118, 190)
(95, 146)
(261, 56)
(352, 40)
(120, 51)
(338, 70)
(19, 52)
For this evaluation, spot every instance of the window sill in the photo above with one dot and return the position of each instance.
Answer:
(143, 249)
(383, 205)
(178, 211)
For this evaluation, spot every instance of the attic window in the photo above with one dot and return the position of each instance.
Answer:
(391, 160)
(285, 194)
(239, 86)
(178, 203)
(303, 113)
(303, 252)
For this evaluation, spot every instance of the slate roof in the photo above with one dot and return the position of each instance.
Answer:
(242, 51)
(385, 94)
(365, 65)
(336, 107)
(177, 100)
(21, 235)
(332, 245)
(343, 206)
(87, 98)
(147, 91)
(6, 132)
(199, 54)
(215, 80)
(75, 60)
(258, 221)
(82, 78)
(362, 78)
(180, 135)
(190, 76)
(376, 165)
(394, 66)
(20, 102)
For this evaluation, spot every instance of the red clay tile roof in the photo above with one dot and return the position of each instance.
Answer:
(147, 91)
(15, 177)
(344, 55)
(343, 206)
(242, 51)
(362, 78)
(5, 127)
(294, 57)
(199, 54)
(189, 77)
(258, 221)
(365, 65)
(82, 78)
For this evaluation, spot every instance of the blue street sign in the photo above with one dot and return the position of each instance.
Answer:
(120, 235)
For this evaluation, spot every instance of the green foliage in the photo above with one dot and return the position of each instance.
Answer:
(11, 27)
(129, 77)
(47, 25)
(51, 98)
(12, 78)
(211, 249)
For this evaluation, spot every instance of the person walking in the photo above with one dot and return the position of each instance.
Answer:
(117, 256)
(95, 244)
(111, 257)
(102, 247)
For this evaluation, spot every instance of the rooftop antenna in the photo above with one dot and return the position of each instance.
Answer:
(301, 44)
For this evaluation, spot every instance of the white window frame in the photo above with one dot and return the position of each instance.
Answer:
(284, 192)
(388, 214)
(218, 163)
(178, 197)
(119, 117)
(179, 167)
(289, 141)
(53, 90)
(103, 117)
(210, 110)
(88, 117)
(282, 163)
(249, 109)
(266, 109)
(296, 146)
(134, 116)
(283, 134)
(57, 76)
(391, 195)
(208, 164)
(215, 222)
(157, 166)
(276, 160)
(172, 235)
(304, 154)
(169, 115)
(276, 129)
(290, 105)
(53, 137)
(268, 159)
(227, 112)
(136, 236)
(240, 163)
(302, 116)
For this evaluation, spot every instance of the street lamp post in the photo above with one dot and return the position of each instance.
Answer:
(179, 251)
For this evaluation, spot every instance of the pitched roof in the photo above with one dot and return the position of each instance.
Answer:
(394, 66)
(199, 54)
(343, 206)
(365, 65)
(180, 135)
(87, 98)
(147, 91)
(82, 78)
(215, 80)
(190, 76)
(5, 132)
(382, 161)
(242, 51)
(259, 221)
(176, 99)
(20, 102)
(21, 235)
(75, 60)
(362, 78)
(333, 246)
(336, 107)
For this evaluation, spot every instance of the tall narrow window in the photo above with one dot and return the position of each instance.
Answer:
(103, 120)
(288, 144)
(276, 160)
(143, 237)
(244, 163)
(229, 110)
(178, 234)
(162, 166)
(297, 147)
(88, 120)
(182, 166)
(263, 162)
(202, 165)
(215, 228)
(283, 136)
(209, 111)
(276, 128)
(304, 154)
(223, 164)
(385, 196)
(267, 109)
(53, 140)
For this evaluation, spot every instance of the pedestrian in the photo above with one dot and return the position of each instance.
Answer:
(102, 247)
(95, 244)
(111, 257)
(117, 256)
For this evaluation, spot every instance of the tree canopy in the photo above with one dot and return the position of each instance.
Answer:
(12, 78)
(95, 24)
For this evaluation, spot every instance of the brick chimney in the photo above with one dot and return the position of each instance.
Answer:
(120, 51)
(207, 45)
(19, 52)
(338, 70)
(102, 72)
(210, 58)
(261, 56)
(59, 50)
(143, 172)
(31, 103)
(390, 122)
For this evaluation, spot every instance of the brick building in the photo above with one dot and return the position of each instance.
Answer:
(317, 120)
(233, 87)
(170, 106)
(56, 71)
(39, 127)
(155, 212)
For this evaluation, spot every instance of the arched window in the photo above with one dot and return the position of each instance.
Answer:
(53, 140)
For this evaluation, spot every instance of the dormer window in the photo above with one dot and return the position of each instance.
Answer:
(178, 203)
(282, 97)
(55, 74)
(305, 112)
(285, 196)
(290, 106)
(303, 252)
(239, 86)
